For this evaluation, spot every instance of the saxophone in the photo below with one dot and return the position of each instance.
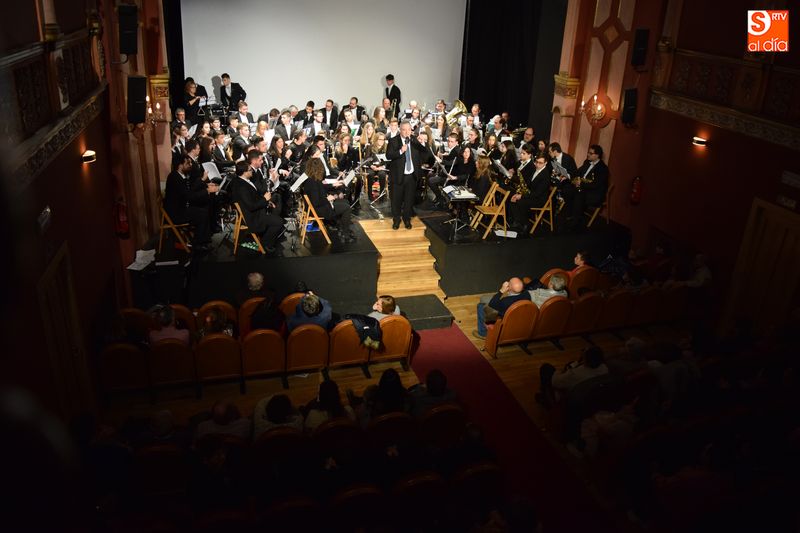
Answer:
(520, 187)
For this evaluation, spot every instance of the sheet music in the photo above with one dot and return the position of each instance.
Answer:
(506, 138)
(192, 130)
(381, 157)
(296, 185)
(350, 176)
(330, 181)
(277, 163)
(449, 189)
(560, 170)
(501, 168)
(213, 171)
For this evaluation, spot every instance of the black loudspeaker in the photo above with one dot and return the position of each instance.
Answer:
(137, 103)
(629, 106)
(128, 26)
(639, 55)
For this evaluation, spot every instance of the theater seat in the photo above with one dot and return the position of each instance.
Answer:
(392, 429)
(673, 306)
(360, 507)
(585, 311)
(550, 273)
(289, 303)
(171, 363)
(615, 312)
(346, 347)
(185, 318)
(245, 312)
(423, 498)
(552, 319)
(395, 341)
(443, 426)
(646, 306)
(307, 348)
(263, 353)
(228, 309)
(298, 513)
(137, 322)
(123, 367)
(585, 276)
(478, 487)
(339, 439)
(218, 358)
(516, 326)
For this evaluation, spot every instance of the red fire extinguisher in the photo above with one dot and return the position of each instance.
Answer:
(636, 190)
(121, 227)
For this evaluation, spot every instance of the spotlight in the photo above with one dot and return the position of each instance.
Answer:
(89, 156)
(699, 141)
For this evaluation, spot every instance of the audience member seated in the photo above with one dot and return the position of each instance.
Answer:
(326, 406)
(254, 288)
(267, 315)
(582, 259)
(430, 394)
(311, 310)
(700, 277)
(590, 365)
(384, 306)
(274, 412)
(160, 430)
(388, 396)
(216, 321)
(491, 307)
(629, 359)
(164, 317)
(556, 286)
(225, 420)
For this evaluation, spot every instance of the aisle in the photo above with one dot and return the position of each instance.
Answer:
(405, 266)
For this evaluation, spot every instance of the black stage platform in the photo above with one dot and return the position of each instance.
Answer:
(469, 265)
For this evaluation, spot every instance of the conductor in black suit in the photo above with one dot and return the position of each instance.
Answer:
(187, 200)
(230, 94)
(406, 157)
(392, 92)
(257, 207)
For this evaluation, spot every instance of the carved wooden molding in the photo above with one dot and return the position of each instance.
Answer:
(37, 152)
(752, 126)
(566, 86)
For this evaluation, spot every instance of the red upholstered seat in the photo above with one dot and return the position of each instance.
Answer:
(245, 312)
(345, 346)
(514, 327)
(395, 341)
(307, 348)
(585, 311)
(552, 319)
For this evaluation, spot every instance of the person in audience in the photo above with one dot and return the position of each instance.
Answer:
(430, 394)
(582, 259)
(630, 357)
(312, 309)
(384, 306)
(274, 412)
(225, 420)
(556, 286)
(511, 292)
(590, 365)
(253, 288)
(389, 396)
(326, 406)
(164, 317)
(161, 430)
(700, 277)
(267, 315)
(216, 321)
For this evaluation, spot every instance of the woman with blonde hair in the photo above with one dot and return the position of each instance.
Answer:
(376, 171)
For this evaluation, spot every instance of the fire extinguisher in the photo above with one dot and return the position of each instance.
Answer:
(121, 227)
(636, 190)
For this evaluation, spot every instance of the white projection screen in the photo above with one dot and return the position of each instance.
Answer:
(288, 52)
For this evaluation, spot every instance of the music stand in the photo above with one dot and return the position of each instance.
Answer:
(459, 196)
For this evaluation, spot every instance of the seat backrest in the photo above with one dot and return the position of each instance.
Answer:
(504, 196)
(123, 367)
(553, 317)
(392, 429)
(395, 339)
(585, 276)
(239, 216)
(516, 326)
(230, 311)
(185, 318)
(289, 303)
(545, 279)
(280, 445)
(293, 514)
(489, 198)
(673, 306)
(615, 310)
(345, 345)
(218, 357)
(137, 322)
(479, 485)
(160, 469)
(307, 348)
(171, 362)
(443, 426)
(423, 498)
(646, 306)
(263, 352)
(359, 507)
(245, 312)
(341, 439)
(585, 311)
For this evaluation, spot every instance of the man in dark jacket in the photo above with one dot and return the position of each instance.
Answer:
(511, 292)
(256, 207)
(187, 200)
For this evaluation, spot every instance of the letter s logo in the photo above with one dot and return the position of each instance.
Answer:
(758, 22)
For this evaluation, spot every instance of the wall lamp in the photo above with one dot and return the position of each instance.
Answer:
(699, 141)
(89, 156)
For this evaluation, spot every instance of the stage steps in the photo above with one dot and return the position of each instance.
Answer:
(405, 265)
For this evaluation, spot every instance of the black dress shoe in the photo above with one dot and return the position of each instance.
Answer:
(396, 225)
(408, 225)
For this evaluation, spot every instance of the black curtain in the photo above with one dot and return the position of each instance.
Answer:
(174, 40)
(511, 50)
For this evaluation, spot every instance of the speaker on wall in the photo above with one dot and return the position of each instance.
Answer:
(128, 26)
(137, 101)
(629, 106)
(639, 54)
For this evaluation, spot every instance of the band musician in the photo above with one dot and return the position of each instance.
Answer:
(406, 157)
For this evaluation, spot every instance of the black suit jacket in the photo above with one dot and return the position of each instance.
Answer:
(307, 118)
(237, 95)
(393, 93)
(221, 157)
(358, 112)
(280, 131)
(254, 206)
(240, 147)
(568, 162)
(397, 161)
(538, 187)
(181, 193)
(325, 129)
(318, 195)
(595, 186)
(332, 119)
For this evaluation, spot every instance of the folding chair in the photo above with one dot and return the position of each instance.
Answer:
(238, 226)
(540, 212)
(491, 207)
(182, 231)
(310, 214)
(592, 214)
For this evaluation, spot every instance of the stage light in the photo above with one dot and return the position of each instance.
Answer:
(699, 141)
(89, 156)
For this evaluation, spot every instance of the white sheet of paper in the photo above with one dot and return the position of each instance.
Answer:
(381, 157)
(268, 135)
(192, 130)
(501, 168)
(296, 185)
(350, 177)
(506, 138)
(278, 163)
(329, 181)
(213, 171)
(449, 189)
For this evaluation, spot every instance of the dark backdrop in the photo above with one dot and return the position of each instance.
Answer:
(511, 52)
(174, 39)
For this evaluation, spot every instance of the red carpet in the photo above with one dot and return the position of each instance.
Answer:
(531, 466)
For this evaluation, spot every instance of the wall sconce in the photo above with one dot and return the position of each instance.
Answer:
(89, 156)
(699, 141)
(594, 112)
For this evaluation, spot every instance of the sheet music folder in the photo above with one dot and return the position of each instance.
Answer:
(298, 182)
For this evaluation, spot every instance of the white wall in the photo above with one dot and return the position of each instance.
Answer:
(291, 51)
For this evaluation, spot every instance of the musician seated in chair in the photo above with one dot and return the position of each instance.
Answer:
(532, 181)
(447, 161)
(328, 200)
(591, 185)
(347, 158)
(257, 208)
(187, 200)
(481, 181)
(377, 171)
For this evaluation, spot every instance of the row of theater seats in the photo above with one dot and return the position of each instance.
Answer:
(558, 317)
(218, 357)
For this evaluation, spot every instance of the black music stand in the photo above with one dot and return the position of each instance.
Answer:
(459, 204)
